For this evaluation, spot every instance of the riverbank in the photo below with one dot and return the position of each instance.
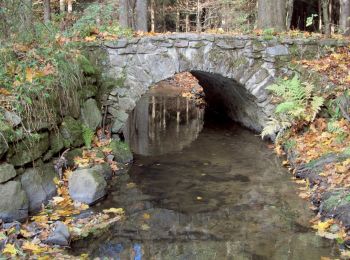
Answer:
(318, 153)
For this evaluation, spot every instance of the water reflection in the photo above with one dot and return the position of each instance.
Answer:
(162, 124)
(203, 192)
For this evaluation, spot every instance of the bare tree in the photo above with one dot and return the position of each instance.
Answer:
(326, 19)
(272, 14)
(124, 13)
(62, 6)
(47, 11)
(141, 16)
(344, 19)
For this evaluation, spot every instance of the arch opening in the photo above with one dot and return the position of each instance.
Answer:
(231, 98)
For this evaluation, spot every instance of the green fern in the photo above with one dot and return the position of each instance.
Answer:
(316, 104)
(274, 127)
(285, 107)
(88, 135)
(298, 103)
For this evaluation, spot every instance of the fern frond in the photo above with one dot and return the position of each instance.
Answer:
(316, 104)
(274, 126)
(277, 89)
(271, 128)
(309, 89)
(295, 90)
(285, 107)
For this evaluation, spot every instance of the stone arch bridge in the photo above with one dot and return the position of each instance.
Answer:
(233, 70)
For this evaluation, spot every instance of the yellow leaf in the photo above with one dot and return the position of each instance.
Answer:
(118, 211)
(90, 38)
(322, 226)
(10, 249)
(146, 216)
(57, 200)
(84, 257)
(56, 180)
(35, 249)
(29, 75)
(26, 233)
(145, 227)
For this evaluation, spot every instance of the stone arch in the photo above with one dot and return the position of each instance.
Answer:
(238, 68)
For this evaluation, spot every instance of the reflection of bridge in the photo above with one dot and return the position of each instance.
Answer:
(160, 125)
(233, 70)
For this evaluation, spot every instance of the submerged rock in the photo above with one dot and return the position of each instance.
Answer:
(7, 172)
(13, 202)
(87, 185)
(39, 185)
(59, 236)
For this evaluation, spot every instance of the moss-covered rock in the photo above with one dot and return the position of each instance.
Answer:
(78, 152)
(88, 91)
(56, 144)
(7, 172)
(91, 114)
(121, 151)
(28, 150)
(71, 130)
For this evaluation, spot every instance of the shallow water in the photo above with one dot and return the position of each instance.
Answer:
(203, 188)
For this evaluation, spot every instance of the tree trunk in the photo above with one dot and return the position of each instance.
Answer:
(153, 26)
(177, 25)
(325, 12)
(198, 20)
(344, 19)
(26, 13)
(141, 16)
(290, 9)
(272, 14)
(47, 11)
(124, 13)
(69, 6)
(62, 6)
(187, 18)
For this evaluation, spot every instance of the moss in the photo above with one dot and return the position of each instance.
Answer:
(294, 51)
(71, 131)
(199, 45)
(28, 150)
(86, 66)
(336, 199)
(121, 151)
(237, 62)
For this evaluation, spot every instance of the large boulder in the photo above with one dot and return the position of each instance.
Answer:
(72, 132)
(87, 185)
(91, 114)
(39, 185)
(13, 202)
(28, 150)
(121, 151)
(7, 172)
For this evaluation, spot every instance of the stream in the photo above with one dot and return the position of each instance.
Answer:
(202, 187)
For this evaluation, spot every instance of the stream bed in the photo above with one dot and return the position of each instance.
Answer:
(202, 187)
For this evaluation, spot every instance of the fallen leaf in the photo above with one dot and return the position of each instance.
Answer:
(10, 249)
(118, 211)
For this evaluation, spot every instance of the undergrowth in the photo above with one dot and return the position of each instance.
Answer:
(297, 102)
